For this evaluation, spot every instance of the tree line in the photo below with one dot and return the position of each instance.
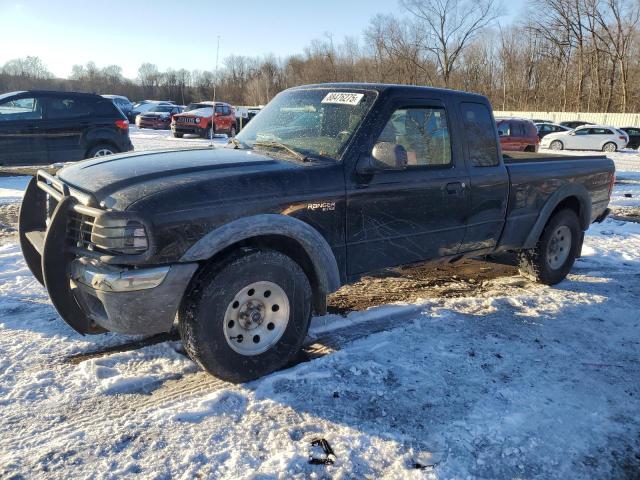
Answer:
(563, 55)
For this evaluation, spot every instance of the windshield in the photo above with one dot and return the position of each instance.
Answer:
(195, 106)
(313, 122)
(162, 108)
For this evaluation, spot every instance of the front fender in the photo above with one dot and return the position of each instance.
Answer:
(313, 243)
(566, 191)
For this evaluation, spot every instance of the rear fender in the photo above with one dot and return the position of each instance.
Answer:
(566, 191)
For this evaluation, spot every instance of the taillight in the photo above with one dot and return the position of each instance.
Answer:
(613, 181)
(622, 138)
(122, 124)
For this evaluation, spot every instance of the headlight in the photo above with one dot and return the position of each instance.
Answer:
(119, 235)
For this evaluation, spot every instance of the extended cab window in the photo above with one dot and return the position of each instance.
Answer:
(480, 135)
(504, 129)
(20, 109)
(423, 132)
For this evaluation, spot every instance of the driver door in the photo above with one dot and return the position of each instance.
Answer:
(415, 214)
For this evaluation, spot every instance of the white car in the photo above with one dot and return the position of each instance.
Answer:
(587, 137)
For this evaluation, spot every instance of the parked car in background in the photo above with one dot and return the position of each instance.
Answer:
(40, 127)
(545, 128)
(244, 115)
(587, 137)
(123, 103)
(575, 123)
(158, 117)
(517, 135)
(145, 106)
(634, 136)
(198, 120)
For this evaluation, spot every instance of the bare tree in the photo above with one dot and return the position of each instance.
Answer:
(449, 26)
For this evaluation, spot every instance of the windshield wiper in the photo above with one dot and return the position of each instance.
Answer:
(273, 144)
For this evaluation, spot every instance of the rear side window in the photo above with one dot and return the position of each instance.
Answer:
(517, 129)
(504, 129)
(60, 108)
(106, 109)
(480, 135)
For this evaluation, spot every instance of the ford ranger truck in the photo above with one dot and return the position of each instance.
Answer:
(241, 244)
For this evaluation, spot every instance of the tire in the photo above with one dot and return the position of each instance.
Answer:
(232, 131)
(219, 325)
(530, 148)
(207, 132)
(178, 135)
(609, 147)
(551, 259)
(556, 145)
(102, 150)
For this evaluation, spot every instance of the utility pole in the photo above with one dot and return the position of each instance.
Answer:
(215, 81)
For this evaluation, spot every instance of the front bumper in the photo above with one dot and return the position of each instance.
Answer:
(193, 129)
(90, 295)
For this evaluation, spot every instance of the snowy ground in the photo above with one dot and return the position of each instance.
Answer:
(509, 380)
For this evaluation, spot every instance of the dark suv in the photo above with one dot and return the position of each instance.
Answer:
(43, 127)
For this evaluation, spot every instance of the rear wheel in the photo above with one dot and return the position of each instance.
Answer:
(551, 259)
(556, 145)
(248, 316)
(102, 150)
(609, 147)
(178, 135)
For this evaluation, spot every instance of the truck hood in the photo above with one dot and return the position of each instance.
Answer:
(117, 181)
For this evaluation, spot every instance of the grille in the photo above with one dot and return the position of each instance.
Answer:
(79, 231)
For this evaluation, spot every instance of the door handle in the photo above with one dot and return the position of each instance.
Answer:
(455, 188)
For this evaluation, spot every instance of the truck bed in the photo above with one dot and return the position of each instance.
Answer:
(534, 178)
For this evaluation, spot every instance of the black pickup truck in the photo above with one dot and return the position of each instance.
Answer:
(328, 183)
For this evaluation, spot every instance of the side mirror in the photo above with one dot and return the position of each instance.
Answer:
(572, 132)
(384, 156)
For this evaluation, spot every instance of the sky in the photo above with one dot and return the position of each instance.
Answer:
(178, 34)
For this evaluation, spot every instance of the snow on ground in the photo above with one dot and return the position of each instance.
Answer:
(515, 381)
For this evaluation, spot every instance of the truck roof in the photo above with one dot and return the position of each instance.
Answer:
(395, 88)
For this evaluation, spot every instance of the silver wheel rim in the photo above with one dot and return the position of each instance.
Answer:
(609, 147)
(103, 152)
(559, 247)
(556, 145)
(256, 318)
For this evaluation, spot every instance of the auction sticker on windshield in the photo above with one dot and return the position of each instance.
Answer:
(343, 98)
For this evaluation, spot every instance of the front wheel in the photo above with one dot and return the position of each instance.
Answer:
(556, 145)
(247, 316)
(551, 259)
(609, 147)
(178, 135)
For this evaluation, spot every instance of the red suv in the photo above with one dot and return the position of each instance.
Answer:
(517, 135)
(196, 119)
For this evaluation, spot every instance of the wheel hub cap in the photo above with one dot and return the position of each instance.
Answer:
(256, 318)
(559, 247)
